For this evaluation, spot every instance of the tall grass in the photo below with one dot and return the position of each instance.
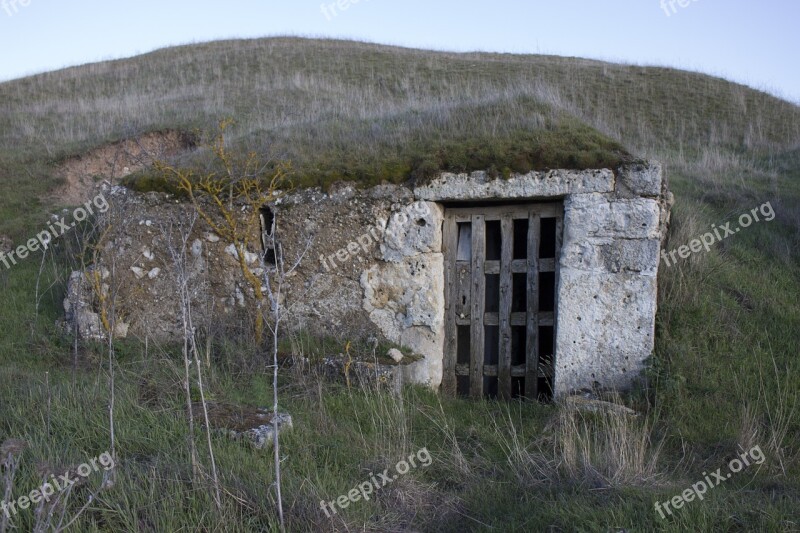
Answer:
(363, 111)
(606, 449)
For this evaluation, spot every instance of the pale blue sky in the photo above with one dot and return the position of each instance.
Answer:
(754, 42)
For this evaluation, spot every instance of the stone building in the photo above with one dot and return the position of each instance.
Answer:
(533, 285)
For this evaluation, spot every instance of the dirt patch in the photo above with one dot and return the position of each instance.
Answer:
(111, 162)
(6, 244)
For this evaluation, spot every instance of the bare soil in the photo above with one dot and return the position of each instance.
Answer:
(83, 174)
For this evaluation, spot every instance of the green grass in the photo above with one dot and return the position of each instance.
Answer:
(341, 437)
(725, 371)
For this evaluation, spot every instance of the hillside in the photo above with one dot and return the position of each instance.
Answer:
(343, 110)
(725, 375)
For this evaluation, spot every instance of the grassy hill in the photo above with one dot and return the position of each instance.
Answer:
(725, 373)
(367, 112)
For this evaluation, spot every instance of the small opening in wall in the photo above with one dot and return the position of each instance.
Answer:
(517, 387)
(267, 216)
(491, 348)
(462, 386)
(519, 298)
(492, 290)
(518, 339)
(490, 387)
(269, 257)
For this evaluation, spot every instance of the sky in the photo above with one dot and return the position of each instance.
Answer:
(748, 41)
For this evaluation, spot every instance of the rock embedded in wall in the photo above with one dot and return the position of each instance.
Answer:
(404, 293)
(412, 230)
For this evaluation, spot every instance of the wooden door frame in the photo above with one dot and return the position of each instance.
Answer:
(456, 294)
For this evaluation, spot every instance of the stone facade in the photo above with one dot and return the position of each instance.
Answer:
(613, 228)
(371, 265)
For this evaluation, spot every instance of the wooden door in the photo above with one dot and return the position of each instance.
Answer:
(501, 281)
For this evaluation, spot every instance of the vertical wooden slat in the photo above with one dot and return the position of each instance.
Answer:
(478, 297)
(532, 337)
(504, 362)
(461, 306)
(450, 244)
(559, 242)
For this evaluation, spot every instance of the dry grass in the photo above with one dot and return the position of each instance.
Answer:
(360, 111)
(606, 449)
(780, 404)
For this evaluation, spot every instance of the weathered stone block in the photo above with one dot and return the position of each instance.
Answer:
(606, 324)
(640, 179)
(599, 215)
(612, 255)
(406, 301)
(412, 290)
(541, 185)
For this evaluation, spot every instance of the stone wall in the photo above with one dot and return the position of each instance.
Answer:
(374, 268)
(371, 265)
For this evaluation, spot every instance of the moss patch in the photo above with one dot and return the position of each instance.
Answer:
(239, 418)
(406, 153)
